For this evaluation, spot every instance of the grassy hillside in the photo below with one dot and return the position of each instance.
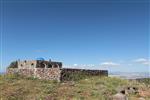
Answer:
(15, 87)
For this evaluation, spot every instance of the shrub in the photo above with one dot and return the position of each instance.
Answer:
(144, 80)
(75, 76)
(13, 64)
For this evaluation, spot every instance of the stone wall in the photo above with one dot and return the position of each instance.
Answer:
(55, 73)
(67, 72)
(41, 73)
(27, 64)
(48, 73)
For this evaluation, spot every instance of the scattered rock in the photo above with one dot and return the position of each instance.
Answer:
(86, 79)
(145, 93)
(131, 90)
(72, 83)
(120, 96)
(141, 98)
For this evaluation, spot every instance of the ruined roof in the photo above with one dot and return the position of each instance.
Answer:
(51, 62)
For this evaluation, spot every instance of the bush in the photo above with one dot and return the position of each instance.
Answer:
(14, 64)
(144, 80)
(74, 76)
(31, 78)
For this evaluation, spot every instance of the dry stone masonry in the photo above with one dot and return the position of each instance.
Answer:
(48, 70)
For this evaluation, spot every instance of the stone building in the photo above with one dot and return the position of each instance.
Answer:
(49, 70)
(38, 64)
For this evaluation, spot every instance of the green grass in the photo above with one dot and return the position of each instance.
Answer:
(145, 81)
(16, 87)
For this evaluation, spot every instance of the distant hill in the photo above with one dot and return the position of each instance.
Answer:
(130, 75)
(2, 73)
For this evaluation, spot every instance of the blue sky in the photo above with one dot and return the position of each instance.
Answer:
(104, 34)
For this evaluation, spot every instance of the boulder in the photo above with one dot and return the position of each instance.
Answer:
(120, 96)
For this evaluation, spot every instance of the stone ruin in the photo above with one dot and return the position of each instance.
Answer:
(49, 70)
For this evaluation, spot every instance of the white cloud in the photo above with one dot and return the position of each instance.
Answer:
(142, 61)
(91, 65)
(109, 64)
(75, 64)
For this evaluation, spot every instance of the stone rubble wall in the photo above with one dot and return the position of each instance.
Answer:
(41, 73)
(48, 73)
(11, 70)
(55, 73)
(67, 72)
